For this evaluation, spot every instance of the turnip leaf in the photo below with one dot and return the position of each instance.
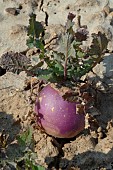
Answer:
(35, 28)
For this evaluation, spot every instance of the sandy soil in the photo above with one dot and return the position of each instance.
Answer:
(91, 149)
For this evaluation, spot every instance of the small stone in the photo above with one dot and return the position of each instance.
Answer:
(106, 9)
(33, 98)
(109, 125)
(111, 14)
(99, 129)
(12, 11)
(35, 91)
(94, 134)
(100, 135)
(32, 51)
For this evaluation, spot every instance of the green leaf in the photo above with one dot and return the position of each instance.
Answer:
(38, 44)
(34, 167)
(30, 42)
(80, 54)
(30, 164)
(25, 138)
(46, 77)
(35, 28)
(40, 64)
(65, 44)
(69, 25)
(58, 56)
(59, 66)
(37, 68)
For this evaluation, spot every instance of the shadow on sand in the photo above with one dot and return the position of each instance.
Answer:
(9, 128)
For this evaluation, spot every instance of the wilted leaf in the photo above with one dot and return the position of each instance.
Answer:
(71, 96)
(81, 34)
(99, 44)
(71, 16)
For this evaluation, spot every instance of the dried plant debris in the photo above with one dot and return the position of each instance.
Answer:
(3, 140)
(14, 62)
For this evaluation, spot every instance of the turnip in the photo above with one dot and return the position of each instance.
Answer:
(65, 65)
(57, 116)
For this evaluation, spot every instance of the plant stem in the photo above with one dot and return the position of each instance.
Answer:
(65, 66)
(66, 59)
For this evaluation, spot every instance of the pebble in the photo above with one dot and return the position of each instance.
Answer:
(94, 134)
(106, 9)
(99, 129)
(109, 125)
(12, 11)
(33, 98)
(111, 14)
(100, 135)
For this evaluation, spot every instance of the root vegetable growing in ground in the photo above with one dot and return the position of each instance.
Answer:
(63, 97)
(61, 103)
